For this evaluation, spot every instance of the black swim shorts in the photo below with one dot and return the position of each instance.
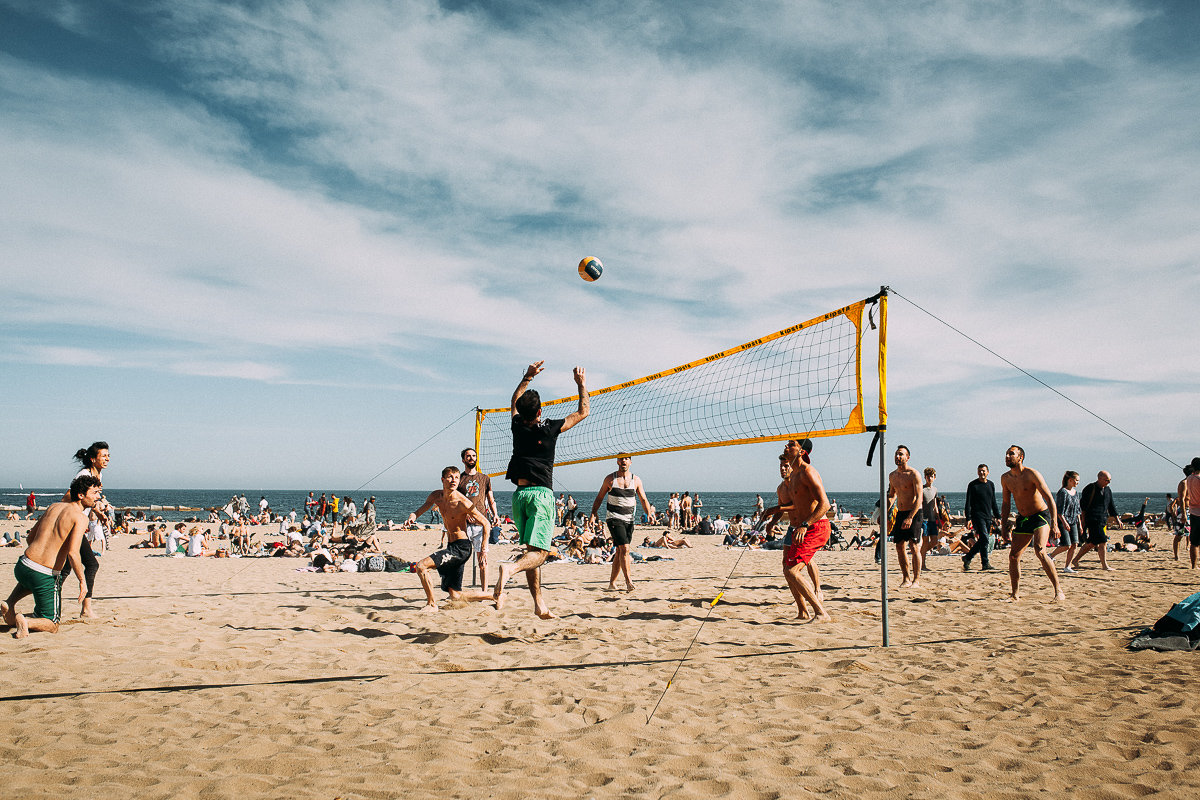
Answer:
(1096, 532)
(910, 534)
(450, 563)
(620, 531)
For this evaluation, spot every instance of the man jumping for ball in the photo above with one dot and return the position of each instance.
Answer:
(531, 468)
(458, 515)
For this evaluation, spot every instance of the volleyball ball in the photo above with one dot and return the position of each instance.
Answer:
(590, 269)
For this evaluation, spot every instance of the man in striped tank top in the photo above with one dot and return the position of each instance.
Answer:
(623, 490)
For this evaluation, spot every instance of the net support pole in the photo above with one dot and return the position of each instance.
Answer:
(883, 530)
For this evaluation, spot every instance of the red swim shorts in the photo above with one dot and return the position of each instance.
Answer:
(814, 539)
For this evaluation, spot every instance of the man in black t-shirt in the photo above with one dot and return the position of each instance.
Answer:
(531, 468)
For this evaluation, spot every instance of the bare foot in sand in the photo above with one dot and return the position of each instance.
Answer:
(629, 587)
(612, 587)
(906, 585)
(498, 594)
(22, 627)
(1110, 569)
(545, 614)
(915, 585)
(430, 608)
(1013, 598)
(8, 615)
(802, 617)
(822, 618)
(1058, 598)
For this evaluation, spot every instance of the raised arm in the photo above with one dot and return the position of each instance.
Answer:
(578, 416)
(530, 373)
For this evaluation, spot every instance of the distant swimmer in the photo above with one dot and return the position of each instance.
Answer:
(531, 468)
(458, 515)
(1037, 518)
(623, 490)
(904, 484)
(53, 543)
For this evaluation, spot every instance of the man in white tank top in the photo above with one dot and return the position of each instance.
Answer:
(623, 490)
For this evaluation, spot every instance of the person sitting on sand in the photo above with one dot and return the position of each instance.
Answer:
(457, 512)
(197, 545)
(54, 542)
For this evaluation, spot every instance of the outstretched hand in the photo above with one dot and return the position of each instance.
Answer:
(580, 376)
(533, 369)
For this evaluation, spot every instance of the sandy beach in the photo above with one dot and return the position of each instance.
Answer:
(209, 678)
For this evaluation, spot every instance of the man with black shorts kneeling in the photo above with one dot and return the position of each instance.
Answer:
(457, 513)
(623, 489)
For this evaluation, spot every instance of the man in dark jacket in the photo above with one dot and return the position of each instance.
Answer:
(980, 511)
(1096, 503)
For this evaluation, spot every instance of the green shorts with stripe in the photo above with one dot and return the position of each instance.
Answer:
(533, 511)
(44, 584)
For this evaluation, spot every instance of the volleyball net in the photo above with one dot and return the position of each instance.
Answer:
(803, 381)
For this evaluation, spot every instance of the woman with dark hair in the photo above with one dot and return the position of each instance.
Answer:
(93, 460)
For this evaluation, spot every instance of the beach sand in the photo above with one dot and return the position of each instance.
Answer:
(211, 678)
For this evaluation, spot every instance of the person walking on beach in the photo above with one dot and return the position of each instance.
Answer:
(1037, 519)
(30, 505)
(929, 513)
(806, 511)
(1181, 511)
(1191, 501)
(783, 492)
(1066, 500)
(1096, 504)
(458, 514)
(904, 485)
(531, 468)
(477, 488)
(623, 490)
(54, 541)
(981, 511)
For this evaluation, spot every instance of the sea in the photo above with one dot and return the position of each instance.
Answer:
(180, 504)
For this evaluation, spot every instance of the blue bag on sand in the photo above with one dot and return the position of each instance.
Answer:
(1186, 613)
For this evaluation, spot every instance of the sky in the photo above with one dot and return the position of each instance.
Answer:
(262, 245)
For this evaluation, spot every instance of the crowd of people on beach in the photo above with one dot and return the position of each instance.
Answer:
(333, 535)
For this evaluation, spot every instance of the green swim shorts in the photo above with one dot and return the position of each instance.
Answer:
(46, 586)
(533, 511)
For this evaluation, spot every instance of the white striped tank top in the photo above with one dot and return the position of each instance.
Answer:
(621, 503)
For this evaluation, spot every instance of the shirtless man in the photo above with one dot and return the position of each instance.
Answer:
(806, 511)
(531, 468)
(1037, 519)
(1191, 502)
(784, 493)
(623, 490)
(477, 487)
(1180, 510)
(904, 485)
(53, 542)
(458, 513)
